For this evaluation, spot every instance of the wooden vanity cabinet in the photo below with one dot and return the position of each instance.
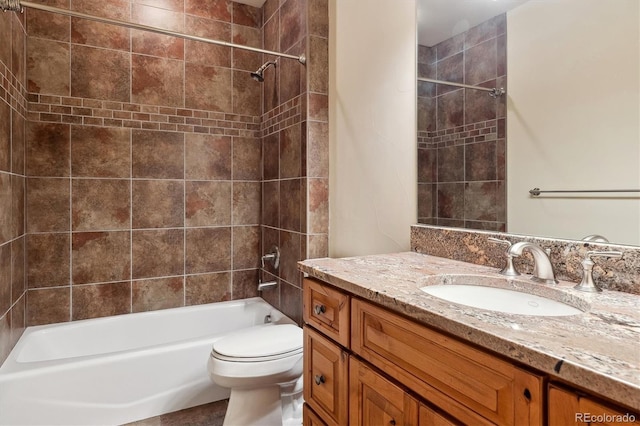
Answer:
(568, 407)
(365, 365)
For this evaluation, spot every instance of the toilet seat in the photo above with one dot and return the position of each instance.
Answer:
(260, 343)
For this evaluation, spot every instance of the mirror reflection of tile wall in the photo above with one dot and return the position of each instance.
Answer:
(462, 132)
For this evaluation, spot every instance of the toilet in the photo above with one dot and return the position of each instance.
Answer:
(262, 365)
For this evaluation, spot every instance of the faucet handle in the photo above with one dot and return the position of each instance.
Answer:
(509, 268)
(594, 253)
(587, 284)
(499, 241)
(273, 257)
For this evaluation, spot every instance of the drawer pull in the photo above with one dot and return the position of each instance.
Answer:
(319, 379)
(319, 309)
(527, 394)
(392, 422)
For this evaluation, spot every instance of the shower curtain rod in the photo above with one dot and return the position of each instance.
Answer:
(494, 93)
(17, 5)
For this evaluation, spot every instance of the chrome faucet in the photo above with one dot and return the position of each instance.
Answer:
(542, 270)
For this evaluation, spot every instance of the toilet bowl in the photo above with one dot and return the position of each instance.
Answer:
(262, 365)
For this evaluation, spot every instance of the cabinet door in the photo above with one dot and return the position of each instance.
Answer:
(326, 377)
(309, 418)
(568, 408)
(430, 417)
(469, 384)
(377, 401)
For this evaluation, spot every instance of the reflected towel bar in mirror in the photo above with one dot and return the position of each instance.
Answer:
(493, 92)
(537, 191)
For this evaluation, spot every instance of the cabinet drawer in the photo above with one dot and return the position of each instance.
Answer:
(326, 309)
(471, 385)
(326, 375)
(377, 401)
(569, 408)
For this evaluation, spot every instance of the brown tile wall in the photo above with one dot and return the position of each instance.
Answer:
(295, 145)
(12, 181)
(461, 132)
(147, 187)
(143, 159)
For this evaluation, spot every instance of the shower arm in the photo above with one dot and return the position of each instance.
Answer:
(17, 6)
(267, 65)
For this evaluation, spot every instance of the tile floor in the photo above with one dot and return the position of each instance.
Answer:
(203, 415)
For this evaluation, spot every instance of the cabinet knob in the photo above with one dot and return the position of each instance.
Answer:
(319, 309)
(319, 379)
(392, 422)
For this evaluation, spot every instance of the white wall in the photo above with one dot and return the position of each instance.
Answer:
(573, 117)
(372, 98)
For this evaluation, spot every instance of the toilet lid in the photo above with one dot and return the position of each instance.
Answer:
(263, 341)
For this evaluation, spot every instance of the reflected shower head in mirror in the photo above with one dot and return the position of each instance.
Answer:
(259, 74)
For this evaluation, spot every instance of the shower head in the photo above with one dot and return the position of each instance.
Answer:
(259, 74)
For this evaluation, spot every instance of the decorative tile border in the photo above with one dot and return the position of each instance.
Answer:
(93, 112)
(566, 255)
(477, 132)
(282, 116)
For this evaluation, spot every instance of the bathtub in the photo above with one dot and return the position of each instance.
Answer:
(120, 369)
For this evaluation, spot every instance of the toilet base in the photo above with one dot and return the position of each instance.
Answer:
(292, 402)
(278, 405)
(254, 407)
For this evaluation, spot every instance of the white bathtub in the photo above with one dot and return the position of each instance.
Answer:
(115, 370)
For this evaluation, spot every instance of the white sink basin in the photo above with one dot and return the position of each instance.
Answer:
(495, 298)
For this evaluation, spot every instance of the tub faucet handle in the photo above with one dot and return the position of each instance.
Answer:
(588, 284)
(509, 268)
(273, 256)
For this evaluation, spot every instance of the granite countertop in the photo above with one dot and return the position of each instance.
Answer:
(598, 350)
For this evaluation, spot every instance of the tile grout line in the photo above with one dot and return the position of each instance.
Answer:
(70, 220)
(184, 222)
(131, 218)
(184, 164)
(130, 76)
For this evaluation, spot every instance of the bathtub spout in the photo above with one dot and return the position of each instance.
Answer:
(263, 286)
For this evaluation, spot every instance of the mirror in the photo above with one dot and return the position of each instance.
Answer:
(570, 119)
